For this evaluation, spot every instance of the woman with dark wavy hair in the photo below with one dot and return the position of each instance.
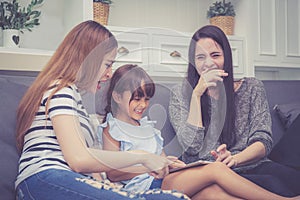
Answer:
(217, 118)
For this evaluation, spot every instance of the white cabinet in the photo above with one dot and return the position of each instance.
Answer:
(161, 52)
(164, 53)
(169, 54)
(132, 47)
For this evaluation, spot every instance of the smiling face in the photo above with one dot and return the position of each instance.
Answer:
(105, 72)
(208, 55)
(131, 107)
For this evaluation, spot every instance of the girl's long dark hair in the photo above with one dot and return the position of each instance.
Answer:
(129, 78)
(215, 33)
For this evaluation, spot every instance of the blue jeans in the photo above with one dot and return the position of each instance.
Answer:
(156, 183)
(64, 185)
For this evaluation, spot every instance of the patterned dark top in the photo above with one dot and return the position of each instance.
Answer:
(253, 123)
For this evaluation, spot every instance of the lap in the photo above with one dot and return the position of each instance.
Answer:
(275, 177)
(68, 185)
(269, 183)
(63, 184)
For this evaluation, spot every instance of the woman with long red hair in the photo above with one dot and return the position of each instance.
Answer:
(54, 132)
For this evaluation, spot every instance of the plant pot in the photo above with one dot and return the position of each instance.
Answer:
(101, 12)
(11, 38)
(226, 23)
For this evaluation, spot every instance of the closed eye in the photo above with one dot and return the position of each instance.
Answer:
(108, 65)
(215, 55)
(200, 57)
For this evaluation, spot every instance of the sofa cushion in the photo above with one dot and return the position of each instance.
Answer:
(159, 111)
(288, 113)
(287, 150)
(11, 94)
(280, 92)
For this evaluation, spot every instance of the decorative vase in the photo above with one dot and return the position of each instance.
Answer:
(101, 12)
(11, 38)
(226, 23)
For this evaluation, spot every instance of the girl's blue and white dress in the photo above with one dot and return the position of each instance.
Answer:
(144, 137)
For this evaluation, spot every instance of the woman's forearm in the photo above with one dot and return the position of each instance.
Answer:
(82, 159)
(105, 161)
(251, 154)
(195, 115)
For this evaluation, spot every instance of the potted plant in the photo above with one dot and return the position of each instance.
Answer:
(101, 10)
(222, 15)
(14, 19)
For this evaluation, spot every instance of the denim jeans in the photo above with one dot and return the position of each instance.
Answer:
(64, 185)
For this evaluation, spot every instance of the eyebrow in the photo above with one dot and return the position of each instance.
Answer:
(216, 52)
(199, 54)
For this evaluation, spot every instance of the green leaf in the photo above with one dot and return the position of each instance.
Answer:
(12, 16)
(220, 8)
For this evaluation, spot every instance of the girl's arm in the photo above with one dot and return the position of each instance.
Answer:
(82, 159)
(126, 173)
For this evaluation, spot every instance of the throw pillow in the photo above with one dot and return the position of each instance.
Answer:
(287, 150)
(288, 113)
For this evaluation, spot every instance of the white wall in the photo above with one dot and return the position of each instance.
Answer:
(58, 16)
(49, 33)
(185, 16)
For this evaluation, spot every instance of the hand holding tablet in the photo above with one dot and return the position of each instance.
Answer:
(193, 164)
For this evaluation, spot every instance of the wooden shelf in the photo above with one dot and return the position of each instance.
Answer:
(23, 59)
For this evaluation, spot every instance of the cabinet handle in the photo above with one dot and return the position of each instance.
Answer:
(123, 50)
(175, 54)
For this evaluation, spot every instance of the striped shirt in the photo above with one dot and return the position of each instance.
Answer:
(41, 150)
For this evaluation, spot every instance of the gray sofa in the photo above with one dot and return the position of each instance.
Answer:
(12, 88)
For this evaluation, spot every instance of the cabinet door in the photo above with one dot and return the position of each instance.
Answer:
(169, 55)
(132, 49)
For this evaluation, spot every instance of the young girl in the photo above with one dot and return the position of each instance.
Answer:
(125, 129)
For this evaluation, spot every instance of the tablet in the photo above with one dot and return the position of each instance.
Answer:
(193, 164)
